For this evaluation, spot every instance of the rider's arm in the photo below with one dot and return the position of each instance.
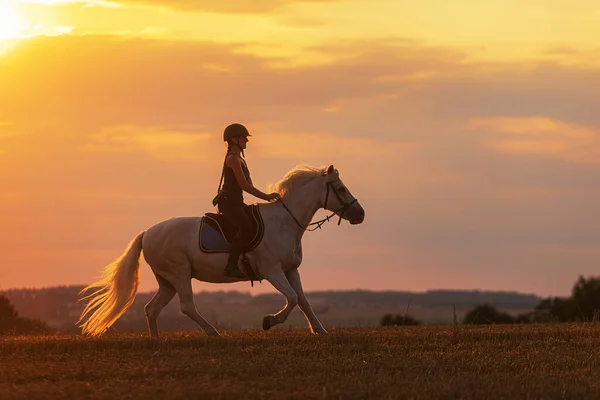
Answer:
(235, 164)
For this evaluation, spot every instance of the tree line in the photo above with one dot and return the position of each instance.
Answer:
(583, 305)
(13, 324)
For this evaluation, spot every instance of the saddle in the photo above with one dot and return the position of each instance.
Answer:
(216, 233)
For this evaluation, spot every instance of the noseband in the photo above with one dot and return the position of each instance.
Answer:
(342, 210)
(344, 207)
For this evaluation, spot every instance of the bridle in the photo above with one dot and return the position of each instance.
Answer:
(342, 210)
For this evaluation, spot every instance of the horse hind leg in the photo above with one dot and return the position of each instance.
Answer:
(165, 293)
(177, 276)
(186, 298)
(183, 285)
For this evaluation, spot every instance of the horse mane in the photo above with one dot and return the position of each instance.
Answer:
(297, 177)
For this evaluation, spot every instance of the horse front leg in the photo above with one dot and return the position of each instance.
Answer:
(280, 282)
(315, 325)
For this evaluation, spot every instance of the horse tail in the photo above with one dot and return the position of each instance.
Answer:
(115, 291)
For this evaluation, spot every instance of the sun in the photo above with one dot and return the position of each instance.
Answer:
(11, 23)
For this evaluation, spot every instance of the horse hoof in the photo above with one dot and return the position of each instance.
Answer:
(214, 333)
(267, 322)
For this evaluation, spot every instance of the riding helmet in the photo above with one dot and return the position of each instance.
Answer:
(235, 130)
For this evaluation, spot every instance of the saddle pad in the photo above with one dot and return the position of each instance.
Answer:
(216, 234)
(211, 240)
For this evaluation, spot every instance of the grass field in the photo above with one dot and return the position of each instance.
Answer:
(504, 362)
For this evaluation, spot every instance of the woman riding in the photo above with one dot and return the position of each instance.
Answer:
(230, 201)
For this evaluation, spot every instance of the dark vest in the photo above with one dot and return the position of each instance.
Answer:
(232, 192)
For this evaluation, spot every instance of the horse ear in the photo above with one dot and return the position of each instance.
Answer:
(330, 170)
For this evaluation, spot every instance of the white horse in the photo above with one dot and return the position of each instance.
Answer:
(172, 251)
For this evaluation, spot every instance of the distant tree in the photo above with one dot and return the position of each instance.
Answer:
(11, 323)
(7, 311)
(554, 309)
(487, 315)
(398, 320)
(581, 306)
(585, 296)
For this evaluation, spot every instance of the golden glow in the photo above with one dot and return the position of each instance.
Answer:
(11, 22)
(163, 144)
(540, 136)
(293, 34)
(531, 126)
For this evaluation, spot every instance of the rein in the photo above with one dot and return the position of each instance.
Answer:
(320, 222)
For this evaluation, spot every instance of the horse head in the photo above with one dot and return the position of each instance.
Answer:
(338, 199)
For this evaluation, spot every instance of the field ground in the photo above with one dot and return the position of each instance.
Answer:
(553, 361)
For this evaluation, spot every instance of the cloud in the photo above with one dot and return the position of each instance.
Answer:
(560, 50)
(537, 126)
(138, 82)
(573, 56)
(167, 85)
(160, 143)
(398, 90)
(320, 145)
(542, 136)
(223, 6)
(562, 92)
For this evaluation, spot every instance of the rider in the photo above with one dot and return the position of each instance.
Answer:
(230, 201)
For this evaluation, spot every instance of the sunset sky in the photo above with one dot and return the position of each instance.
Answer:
(468, 130)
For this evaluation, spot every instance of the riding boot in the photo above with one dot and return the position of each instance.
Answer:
(232, 269)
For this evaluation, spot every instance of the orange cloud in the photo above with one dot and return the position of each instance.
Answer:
(551, 137)
(322, 144)
(160, 143)
(532, 126)
(222, 6)
(542, 147)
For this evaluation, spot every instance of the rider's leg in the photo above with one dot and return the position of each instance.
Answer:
(237, 216)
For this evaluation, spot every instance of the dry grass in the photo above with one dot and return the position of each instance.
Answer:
(509, 362)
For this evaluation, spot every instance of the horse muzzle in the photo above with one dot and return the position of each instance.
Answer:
(355, 215)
